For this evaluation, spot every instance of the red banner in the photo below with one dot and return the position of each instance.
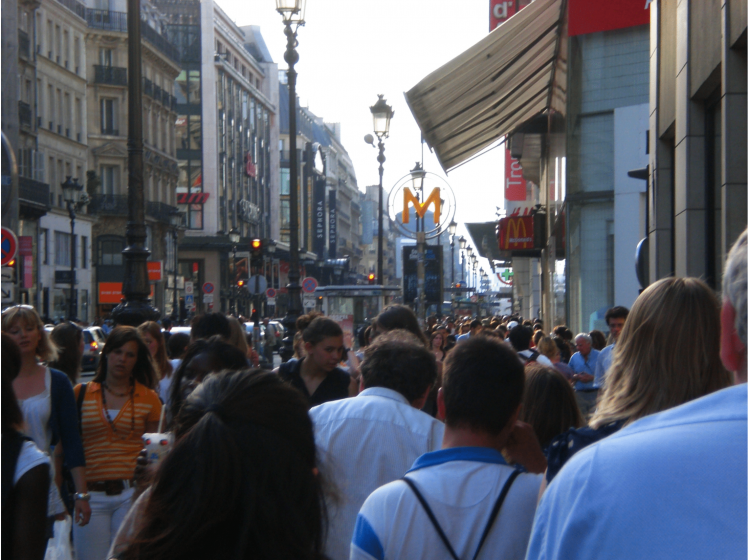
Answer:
(28, 270)
(515, 187)
(516, 233)
(591, 16)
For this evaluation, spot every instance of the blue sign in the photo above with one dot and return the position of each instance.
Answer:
(189, 300)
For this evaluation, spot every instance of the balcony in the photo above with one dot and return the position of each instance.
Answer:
(160, 211)
(24, 114)
(110, 75)
(107, 20)
(74, 6)
(158, 94)
(24, 44)
(116, 205)
(147, 87)
(33, 198)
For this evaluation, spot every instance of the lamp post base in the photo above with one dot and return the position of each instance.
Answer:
(134, 313)
(289, 321)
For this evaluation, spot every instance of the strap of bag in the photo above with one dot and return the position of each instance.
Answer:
(81, 396)
(430, 513)
(489, 524)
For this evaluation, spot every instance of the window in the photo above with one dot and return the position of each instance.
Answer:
(84, 251)
(285, 186)
(110, 250)
(106, 57)
(62, 248)
(51, 101)
(108, 116)
(44, 246)
(109, 179)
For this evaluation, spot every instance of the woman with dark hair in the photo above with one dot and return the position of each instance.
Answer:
(548, 404)
(154, 340)
(118, 407)
(202, 357)
(317, 374)
(240, 482)
(598, 340)
(68, 338)
(398, 317)
(24, 519)
(437, 344)
(45, 396)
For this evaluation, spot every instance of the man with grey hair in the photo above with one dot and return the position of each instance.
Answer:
(648, 491)
(583, 364)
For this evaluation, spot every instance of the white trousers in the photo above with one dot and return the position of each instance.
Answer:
(92, 541)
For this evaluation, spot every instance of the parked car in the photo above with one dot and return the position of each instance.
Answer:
(277, 332)
(93, 344)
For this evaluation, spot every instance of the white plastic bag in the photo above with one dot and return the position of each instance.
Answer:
(58, 547)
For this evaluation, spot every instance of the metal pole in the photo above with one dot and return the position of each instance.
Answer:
(452, 274)
(135, 307)
(71, 303)
(176, 269)
(233, 283)
(293, 288)
(380, 246)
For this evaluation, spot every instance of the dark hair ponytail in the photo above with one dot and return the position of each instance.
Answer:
(315, 328)
(240, 480)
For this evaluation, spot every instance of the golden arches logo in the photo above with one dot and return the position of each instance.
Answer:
(434, 198)
(515, 236)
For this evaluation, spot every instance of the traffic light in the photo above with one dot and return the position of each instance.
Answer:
(240, 283)
(372, 278)
(256, 247)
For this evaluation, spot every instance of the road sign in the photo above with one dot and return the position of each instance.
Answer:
(257, 285)
(8, 246)
(8, 292)
(7, 274)
(309, 285)
(207, 298)
(270, 293)
(271, 301)
(188, 287)
(208, 288)
(189, 301)
(309, 301)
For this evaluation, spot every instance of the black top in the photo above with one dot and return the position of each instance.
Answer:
(333, 387)
(567, 444)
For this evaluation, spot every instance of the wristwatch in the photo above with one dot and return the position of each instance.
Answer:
(85, 496)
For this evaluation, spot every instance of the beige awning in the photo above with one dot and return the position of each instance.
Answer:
(517, 71)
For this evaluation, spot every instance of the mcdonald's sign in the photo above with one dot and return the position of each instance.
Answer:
(434, 198)
(517, 233)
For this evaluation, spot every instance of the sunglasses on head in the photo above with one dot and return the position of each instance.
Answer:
(20, 306)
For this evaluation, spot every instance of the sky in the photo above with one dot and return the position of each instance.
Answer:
(351, 51)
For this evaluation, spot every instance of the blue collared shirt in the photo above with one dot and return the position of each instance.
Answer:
(603, 365)
(579, 365)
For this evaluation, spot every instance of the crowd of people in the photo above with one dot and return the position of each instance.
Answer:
(495, 438)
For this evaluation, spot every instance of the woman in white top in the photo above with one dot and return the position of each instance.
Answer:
(24, 516)
(48, 404)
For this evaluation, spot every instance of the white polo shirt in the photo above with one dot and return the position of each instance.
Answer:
(461, 485)
(365, 442)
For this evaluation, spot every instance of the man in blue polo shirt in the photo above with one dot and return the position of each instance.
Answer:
(615, 317)
(463, 498)
(670, 485)
(583, 364)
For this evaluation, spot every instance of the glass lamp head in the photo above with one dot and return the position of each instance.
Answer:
(382, 114)
(292, 11)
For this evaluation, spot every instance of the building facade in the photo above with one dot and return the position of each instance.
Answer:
(697, 137)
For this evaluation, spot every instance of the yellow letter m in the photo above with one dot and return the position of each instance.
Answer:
(421, 208)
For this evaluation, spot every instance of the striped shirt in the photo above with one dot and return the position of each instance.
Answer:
(110, 455)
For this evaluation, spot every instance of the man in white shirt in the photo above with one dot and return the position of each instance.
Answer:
(475, 327)
(463, 498)
(372, 439)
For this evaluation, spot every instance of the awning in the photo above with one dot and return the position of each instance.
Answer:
(517, 71)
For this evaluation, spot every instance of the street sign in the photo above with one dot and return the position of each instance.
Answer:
(8, 292)
(309, 285)
(257, 285)
(7, 274)
(8, 246)
(270, 293)
(189, 301)
(207, 298)
(309, 301)
(271, 301)
(208, 289)
(188, 288)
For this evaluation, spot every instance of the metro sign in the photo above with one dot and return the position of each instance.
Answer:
(434, 198)
(516, 233)
(192, 198)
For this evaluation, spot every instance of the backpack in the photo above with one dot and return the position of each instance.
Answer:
(532, 358)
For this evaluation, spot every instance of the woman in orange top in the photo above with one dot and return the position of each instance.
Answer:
(119, 406)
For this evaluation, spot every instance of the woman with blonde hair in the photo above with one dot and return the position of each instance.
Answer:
(48, 404)
(548, 348)
(663, 359)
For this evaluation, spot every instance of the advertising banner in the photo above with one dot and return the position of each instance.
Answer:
(318, 245)
(332, 224)
(515, 187)
(432, 273)
(591, 16)
(516, 233)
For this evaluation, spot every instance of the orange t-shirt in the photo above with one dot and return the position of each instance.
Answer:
(110, 455)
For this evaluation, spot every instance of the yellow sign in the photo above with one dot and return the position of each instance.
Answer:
(434, 198)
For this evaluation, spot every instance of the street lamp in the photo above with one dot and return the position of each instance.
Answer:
(175, 219)
(136, 304)
(382, 114)
(292, 12)
(469, 252)
(452, 229)
(234, 238)
(462, 242)
(71, 193)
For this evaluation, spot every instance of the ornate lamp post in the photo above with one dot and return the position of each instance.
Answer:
(462, 241)
(469, 252)
(71, 193)
(176, 220)
(382, 114)
(234, 237)
(292, 12)
(452, 229)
